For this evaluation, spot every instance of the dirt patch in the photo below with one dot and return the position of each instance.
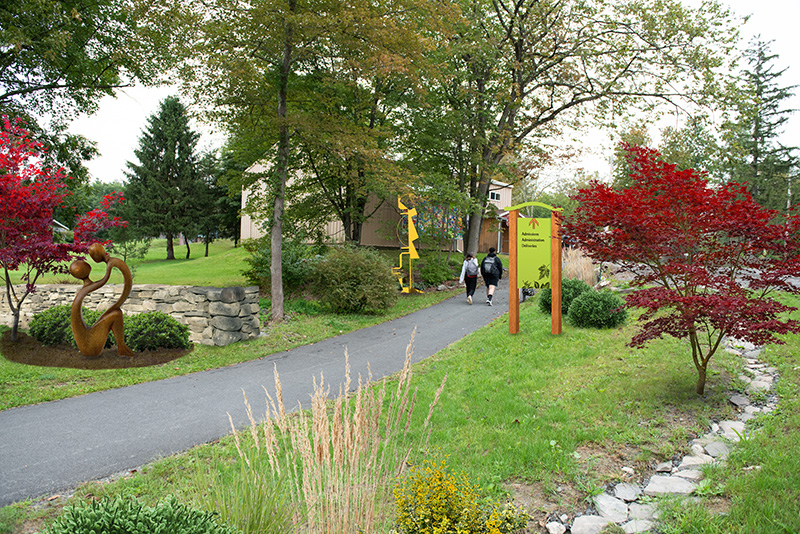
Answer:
(26, 350)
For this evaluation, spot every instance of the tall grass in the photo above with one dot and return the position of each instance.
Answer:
(578, 265)
(339, 459)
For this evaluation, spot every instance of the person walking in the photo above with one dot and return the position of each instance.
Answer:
(469, 275)
(492, 272)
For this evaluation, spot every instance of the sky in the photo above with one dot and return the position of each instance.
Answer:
(119, 121)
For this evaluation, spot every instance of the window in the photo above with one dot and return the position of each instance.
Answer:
(494, 195)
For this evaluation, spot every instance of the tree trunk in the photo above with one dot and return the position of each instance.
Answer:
(701, 380)
(207, 242)
(282, 172)
(15, 325)
(188, 250)
(170, 248)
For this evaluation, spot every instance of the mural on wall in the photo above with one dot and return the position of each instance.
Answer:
(533, 238)
(91, 341)
(409, 250)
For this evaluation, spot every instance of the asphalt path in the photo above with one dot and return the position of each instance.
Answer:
(50, 448)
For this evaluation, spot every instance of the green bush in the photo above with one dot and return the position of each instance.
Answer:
(53, 327)
(126, 516)
(431, 499)
(433, 272)
(570, 289)
(597, 309)
(297, 263)
(155, 330)
(352, 279)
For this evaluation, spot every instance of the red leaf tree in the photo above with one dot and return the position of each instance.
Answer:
(705, 258)
(29, 192)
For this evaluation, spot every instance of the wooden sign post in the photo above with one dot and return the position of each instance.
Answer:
(528, 240)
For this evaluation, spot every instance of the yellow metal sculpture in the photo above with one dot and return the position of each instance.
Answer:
(92, 340)
(410, 250)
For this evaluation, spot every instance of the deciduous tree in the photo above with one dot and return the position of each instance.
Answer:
(30, 192)
(706, 259)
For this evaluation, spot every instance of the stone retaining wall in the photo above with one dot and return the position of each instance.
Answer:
(215, 316)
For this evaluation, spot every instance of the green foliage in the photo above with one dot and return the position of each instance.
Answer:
(597, 309)
(53, 327)
(434, 272)
(432, 499)
(247, 496)
(126, 516)
(570, 289)
(355, 280)
(297, 263)
(155, 330)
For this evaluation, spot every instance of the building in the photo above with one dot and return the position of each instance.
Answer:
(381, 229)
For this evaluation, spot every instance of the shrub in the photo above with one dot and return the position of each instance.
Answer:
(52, 326)
(355, 280)
(155, 330)
(434, 272)
(597, 309)
(297, 262)
(431, 499)
(570, 289)
(126, 516)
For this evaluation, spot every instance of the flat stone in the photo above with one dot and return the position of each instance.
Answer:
(224, 308)
(627, 492)
(222, 338)
(230, 324)
(692, 461)
(232, 294)
(697, 449)
(740, 400)
(589, 524)
(746, 379)
(637, 525)
(732, 429)
(611, 507)
(752, 409)
(554, 527)
(689, 474)
(667, 485)
(717, 449)
(759, 385)
(641, 511)
(664, 467)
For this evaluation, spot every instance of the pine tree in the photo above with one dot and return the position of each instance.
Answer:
(163, 187)
(754, 154)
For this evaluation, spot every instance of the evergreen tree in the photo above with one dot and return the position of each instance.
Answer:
(753, 152)
(164, 187)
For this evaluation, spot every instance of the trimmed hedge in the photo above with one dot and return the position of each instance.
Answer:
(570, 289)
(597, 309)
(52, 326)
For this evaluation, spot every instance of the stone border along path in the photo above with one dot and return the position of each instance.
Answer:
(678, 477)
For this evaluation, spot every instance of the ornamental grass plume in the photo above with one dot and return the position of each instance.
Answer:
(339, 458)
(578, 265)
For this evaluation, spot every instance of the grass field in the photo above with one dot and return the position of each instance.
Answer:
(222, 268)
(552, 420)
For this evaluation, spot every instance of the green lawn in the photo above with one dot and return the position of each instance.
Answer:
(222, 268)
(553, 417)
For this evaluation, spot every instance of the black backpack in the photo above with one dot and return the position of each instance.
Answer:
(489, 266)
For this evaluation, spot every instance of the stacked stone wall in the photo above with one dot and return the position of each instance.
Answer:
(215, 316)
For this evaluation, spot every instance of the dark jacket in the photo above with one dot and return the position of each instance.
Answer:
(497, 262)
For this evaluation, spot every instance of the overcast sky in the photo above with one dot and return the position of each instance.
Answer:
(119, 122)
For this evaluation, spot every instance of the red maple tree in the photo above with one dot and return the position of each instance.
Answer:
(30, 192)
(706, 258)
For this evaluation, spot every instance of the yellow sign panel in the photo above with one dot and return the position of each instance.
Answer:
(533, 249)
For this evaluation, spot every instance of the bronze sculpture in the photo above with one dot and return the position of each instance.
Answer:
(92, 340)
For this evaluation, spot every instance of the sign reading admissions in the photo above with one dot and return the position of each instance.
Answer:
(533, 249)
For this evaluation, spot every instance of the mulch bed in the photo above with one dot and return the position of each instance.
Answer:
(26, 350)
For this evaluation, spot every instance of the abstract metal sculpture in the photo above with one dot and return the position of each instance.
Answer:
(91, 341)
(410, 250)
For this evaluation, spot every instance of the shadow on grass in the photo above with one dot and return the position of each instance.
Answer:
(27, 351)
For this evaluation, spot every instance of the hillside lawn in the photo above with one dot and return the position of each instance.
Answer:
(548, 420)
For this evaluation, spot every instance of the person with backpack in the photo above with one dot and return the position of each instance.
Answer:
(469, 275)
(492, 272)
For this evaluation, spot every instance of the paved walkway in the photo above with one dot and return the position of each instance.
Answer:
(52, 447)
